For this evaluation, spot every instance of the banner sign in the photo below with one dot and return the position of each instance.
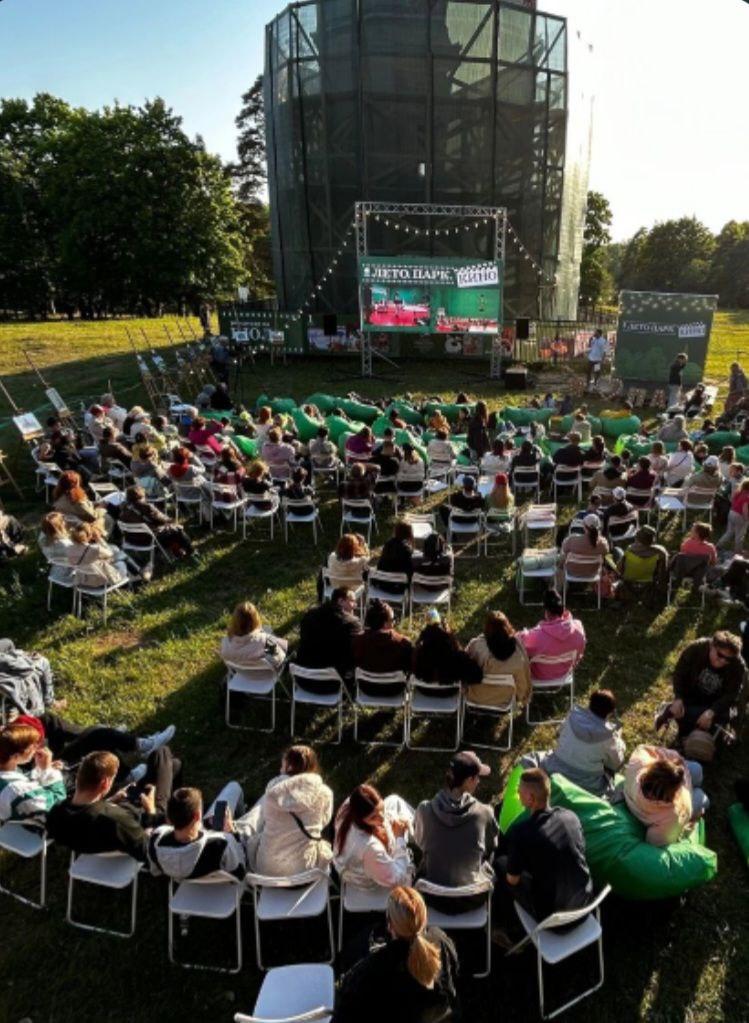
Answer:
(654, 327)
(254, 328)
(416, 295)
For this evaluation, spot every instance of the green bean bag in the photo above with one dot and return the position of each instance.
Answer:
(407, 412)
(325, 402)
(742, 454)
(306, 426)
(277, 404)
(381, 424)
(342, 438)
(247, 445)
(526, 416)
(615, 845)
(404, 437)
(721, 439)
(568, 423)
(355, 409)
(739, 820)
(638, 447)
(448, 409)
(617, 426)
(337, 425)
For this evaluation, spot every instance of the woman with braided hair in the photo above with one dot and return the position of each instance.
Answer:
(416, 967)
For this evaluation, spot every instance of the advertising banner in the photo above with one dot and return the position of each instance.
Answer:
(654, 327)
(254, 328)
(416, 295)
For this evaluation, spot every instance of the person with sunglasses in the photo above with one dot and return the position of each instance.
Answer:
(708, 678)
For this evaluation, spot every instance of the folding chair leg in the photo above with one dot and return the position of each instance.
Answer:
(41, 904)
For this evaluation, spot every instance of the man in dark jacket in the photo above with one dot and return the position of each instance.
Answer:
(457, 835)
(326, 633)
(570, 456)
(708, 679)
(380, 648)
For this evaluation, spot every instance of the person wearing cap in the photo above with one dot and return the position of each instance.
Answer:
(620, 508)
(457, 834)
(570, 456)
(545, 869)
(467, 499)
(589, 544)
(708, 477)
(556, 634)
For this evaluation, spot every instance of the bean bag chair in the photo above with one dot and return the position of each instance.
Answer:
(342, 438)
(247, 445)
(526, 416)
(277, 404)
(739, 820)
(337, 425)
(325, 402)
(407, 412)
(614, 426)
(568, 423)
(355, 409)
(381, 424)
(306, 426)
(449, 410)
(742, 454)
(404, 437)
(721, 439)
(616, 849)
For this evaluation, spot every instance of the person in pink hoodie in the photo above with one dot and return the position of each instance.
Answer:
(662, 790)
(558, 633)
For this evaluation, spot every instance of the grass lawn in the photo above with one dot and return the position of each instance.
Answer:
(156, 663)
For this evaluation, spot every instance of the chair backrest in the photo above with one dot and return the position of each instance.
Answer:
(567, 660)
(485, 885)
(299, 504)
(437, 689)
(468, 517)
(307, 677)
(540, 512)
(376, 683)
(699, 497)
(258, 667)
(356, 502)
(641, 495)
(135, 529)
(224, 491)
(567, 474)
(571, 916)
(630, 519)
(376, 575)
(419, 579)
(426, 519)
(526, 475)
(582, 561)
(591, 468)
(305, 877)
(320, 1013)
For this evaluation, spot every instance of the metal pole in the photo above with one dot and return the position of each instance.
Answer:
(33, 366)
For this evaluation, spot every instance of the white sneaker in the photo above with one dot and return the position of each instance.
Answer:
(149, 743)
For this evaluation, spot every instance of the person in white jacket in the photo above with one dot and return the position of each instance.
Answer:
(370, 840)
(590, 749)
(291, 816)
(248, 641)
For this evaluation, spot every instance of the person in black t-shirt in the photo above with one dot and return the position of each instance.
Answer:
(675, 377)
(545, 869)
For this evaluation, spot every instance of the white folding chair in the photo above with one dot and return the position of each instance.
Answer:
(406, 495)
(300, 512)
(589, 469)
(477, 919)
(380, 691)
(440, 471)
(296, 897)
(527, 478)
(118, 473)
(326, 472)
(358, 512)
(227, 500)
(27, 839)
(670, 500)
(303, 993)
(700, 500)
(643, 500)
(102, 489)
(575, 566)
(359, 900)
(538, 518)
(432, 699)
(328, 587)
(459, 471)
(545, 568)
(376, 591)
(430, 591)
(422, 524)
(188, 495)
(208, 457)
(566, 663)
(506, 708)
(131, 531)
(256, 510)
(464, 526)
(566, 477)
(553, 947)
(628, 524)
(114, 870)
(91, 590)
(318, 687)
(256, 680)
(216, 896)
(60, 574)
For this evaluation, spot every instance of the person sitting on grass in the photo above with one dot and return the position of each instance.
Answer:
(662, 790)
(545, 870)
(380, 648)
(27, 794)
(415, 970)
(589, 749)
(94, 821)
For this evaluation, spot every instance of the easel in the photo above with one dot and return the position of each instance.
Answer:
(53, 395)
(145, 374)
(29, 432)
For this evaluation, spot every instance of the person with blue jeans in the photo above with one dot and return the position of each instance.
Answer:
(663, 791)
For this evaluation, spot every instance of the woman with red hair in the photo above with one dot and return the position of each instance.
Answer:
(370, 839)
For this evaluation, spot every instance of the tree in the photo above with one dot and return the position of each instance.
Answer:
(630, 272)
(729, 271)
(676, 256)
(595, 278)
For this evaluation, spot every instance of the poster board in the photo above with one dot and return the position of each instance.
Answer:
(57, 402)
(654, 327)
(28, 426)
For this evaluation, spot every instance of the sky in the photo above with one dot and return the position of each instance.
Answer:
(671, 125)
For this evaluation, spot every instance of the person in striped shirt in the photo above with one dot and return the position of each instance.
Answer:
(27, 794)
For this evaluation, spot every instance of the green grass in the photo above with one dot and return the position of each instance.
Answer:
(156, 662)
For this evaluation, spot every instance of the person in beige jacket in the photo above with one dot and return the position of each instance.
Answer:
(498, 652)
(662, 791)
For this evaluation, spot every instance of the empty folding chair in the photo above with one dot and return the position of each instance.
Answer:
(565, 665)
(27, 839)
(114, 870)
(264, 509)
(432, 699)
(687, 569)
(422, 524)
(553, 947)
(217, 896)
(583, 568)
(380, 691)
(504, 705)
(290, 994)
(189, 496)
(567, 478)
(296, 897)
(259, 681)
(498, 524)
(300, 512)
(527, 479)
(536, 563)
(405, 494)
(392, 587)
(355, 899)
(227, 500)
(479, 918)
(700, 500)
(138, 538)
(459, 471)
(464, 526)
(669, 501)
(85, 587)
(318, 687)
(430, 591)
(327, 472)
(118, 473)
(538, 518)
(357, 513)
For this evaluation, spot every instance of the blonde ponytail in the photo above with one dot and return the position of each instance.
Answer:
(407, 915)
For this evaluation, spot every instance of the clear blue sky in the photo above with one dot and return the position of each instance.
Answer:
(671, 133)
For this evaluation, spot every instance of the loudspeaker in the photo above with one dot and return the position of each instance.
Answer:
(522, 328)
(330, 324)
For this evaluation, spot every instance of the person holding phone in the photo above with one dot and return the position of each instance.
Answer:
(27, 794)
(370, 839)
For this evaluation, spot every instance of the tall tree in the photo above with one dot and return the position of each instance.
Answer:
(676, 256)
(595, 278)
(729, 271)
